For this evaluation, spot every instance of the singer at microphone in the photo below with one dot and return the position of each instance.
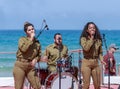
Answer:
(91, 43)
(28, 54)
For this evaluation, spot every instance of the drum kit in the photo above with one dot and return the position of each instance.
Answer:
(66, 76)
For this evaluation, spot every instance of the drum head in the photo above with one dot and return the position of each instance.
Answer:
(67, 81)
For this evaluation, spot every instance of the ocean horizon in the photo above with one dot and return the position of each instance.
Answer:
(9, 43)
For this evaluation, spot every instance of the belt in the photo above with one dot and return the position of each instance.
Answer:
(95, 57)
(23, 60)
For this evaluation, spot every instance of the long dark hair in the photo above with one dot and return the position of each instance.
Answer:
(85, 33)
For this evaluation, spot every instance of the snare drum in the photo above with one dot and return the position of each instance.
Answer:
(68, 81)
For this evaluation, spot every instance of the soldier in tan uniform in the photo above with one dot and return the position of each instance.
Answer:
(91, 43)
(53, 54)
(28, 54)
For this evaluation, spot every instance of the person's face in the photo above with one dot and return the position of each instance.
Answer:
(58, 39)
(91, 29)
(113, 49)
(30, 30)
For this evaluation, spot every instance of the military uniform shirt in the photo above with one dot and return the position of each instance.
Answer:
(52, 53)
(28, 50)
(92, 49)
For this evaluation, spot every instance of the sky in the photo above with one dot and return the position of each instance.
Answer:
(60, 14)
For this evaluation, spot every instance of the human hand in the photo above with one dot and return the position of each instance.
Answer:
(114, 70)
(44, 59)
(32, 35)
(103, 62)
(33, 63)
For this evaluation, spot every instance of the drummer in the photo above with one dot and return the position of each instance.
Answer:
(55, 52)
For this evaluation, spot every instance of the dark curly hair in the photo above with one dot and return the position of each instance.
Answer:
(85, 33)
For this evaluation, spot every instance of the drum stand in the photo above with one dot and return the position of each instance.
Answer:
(79, 71)
(60, 63)
(72, 85)
(59, 70)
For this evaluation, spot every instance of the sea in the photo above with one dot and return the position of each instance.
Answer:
(9, 45)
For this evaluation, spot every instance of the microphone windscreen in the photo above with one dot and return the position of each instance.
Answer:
(44, 21)
(47, 28)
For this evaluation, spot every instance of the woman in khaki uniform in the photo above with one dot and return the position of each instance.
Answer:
(28, 54)
(91, 43)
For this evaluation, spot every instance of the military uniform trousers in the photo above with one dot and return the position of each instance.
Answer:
(90, 68)
(23, 70)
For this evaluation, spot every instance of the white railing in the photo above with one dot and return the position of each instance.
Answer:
(76, 59)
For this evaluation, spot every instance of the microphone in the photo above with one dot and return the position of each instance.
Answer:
(43, 28)
(59, 38)
(103, 36)
(70, 56)
(59, 42)
(46, 26)
(104, 40)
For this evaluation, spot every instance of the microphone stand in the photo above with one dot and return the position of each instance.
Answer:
(59, 67)
(72, 71)
(79, 72)
(42, 29)
(39, 71)
(72, 85)
(104, 40)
